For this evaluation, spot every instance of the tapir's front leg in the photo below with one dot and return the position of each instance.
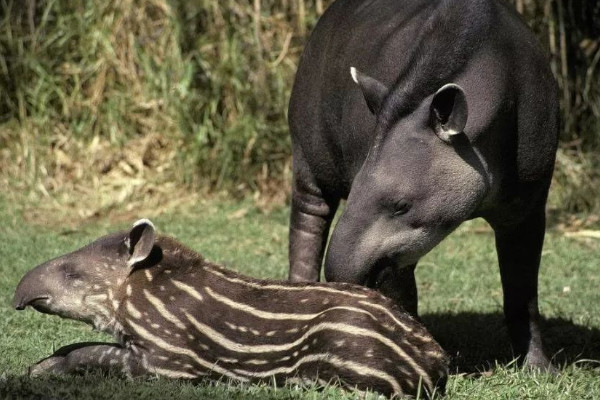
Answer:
(310, 220)
(79, 357)
(519, 249)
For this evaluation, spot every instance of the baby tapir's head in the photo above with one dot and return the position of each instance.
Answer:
(82, 285)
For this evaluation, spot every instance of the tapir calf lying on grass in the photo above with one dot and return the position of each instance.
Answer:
(177, 315)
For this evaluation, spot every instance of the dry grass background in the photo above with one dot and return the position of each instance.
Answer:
(110, 107)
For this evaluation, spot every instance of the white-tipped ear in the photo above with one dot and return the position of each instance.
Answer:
(354, 75)
(449, 111)
(373, 90)
(140, 241)
(143, 221)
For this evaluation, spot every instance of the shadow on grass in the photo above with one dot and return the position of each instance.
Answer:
(476, 341)
(111, 386)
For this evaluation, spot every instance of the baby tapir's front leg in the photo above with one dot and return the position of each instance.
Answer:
(79, 357)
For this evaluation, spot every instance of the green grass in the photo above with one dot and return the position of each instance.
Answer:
(461, 303)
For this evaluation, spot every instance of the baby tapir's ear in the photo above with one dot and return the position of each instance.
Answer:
(141, 241)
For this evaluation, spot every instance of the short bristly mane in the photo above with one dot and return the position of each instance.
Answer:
(448, 39)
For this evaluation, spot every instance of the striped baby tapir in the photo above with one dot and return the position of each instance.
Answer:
(177, 315)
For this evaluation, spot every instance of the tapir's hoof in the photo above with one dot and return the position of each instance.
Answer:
(47, 365)
(537, 361)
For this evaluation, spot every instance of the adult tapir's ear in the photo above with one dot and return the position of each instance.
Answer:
(141, 241)
(449, 111)
(373, 90)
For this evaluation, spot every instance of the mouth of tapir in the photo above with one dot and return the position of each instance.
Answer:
(373, 278)
(41, 304)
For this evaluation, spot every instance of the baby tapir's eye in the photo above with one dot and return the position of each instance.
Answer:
(73, 275)
(70, 272)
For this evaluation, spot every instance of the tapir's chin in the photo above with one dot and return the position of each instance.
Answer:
(404, 259)
(45, 305)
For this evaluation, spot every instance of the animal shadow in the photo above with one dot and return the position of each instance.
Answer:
(477, 341)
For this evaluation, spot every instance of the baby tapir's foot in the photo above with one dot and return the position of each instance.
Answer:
(80, 357)
(50, 365)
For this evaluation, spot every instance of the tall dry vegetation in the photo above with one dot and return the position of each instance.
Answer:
(103, 103)
(109, 101)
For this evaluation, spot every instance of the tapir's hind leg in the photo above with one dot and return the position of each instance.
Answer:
(519, 248)
(311, 215)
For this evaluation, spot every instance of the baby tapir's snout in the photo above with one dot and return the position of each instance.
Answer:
(33, 290)
(177, 315)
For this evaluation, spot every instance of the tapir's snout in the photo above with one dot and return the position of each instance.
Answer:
(362, 245)
(345, 260)
(33, 291)
(20, 302)
(41, 303)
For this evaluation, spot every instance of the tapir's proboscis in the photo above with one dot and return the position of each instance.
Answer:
(422, 114)
(177, 315)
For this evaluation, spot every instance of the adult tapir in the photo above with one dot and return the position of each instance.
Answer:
(423, 114)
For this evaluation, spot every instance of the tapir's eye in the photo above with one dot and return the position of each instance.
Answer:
(70, 272)
(401, 207)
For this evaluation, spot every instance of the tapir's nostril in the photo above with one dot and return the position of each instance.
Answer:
(20, 304)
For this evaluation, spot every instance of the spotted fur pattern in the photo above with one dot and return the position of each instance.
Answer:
(178, 315)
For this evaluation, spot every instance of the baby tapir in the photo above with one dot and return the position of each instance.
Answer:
(177, 315)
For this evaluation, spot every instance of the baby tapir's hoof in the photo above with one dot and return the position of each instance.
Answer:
(50, 365)
(78, 357)
(176, 315)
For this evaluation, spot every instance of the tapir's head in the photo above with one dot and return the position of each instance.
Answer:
(420, 180)
(84, 285)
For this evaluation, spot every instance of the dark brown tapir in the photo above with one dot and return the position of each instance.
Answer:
(422, 114)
